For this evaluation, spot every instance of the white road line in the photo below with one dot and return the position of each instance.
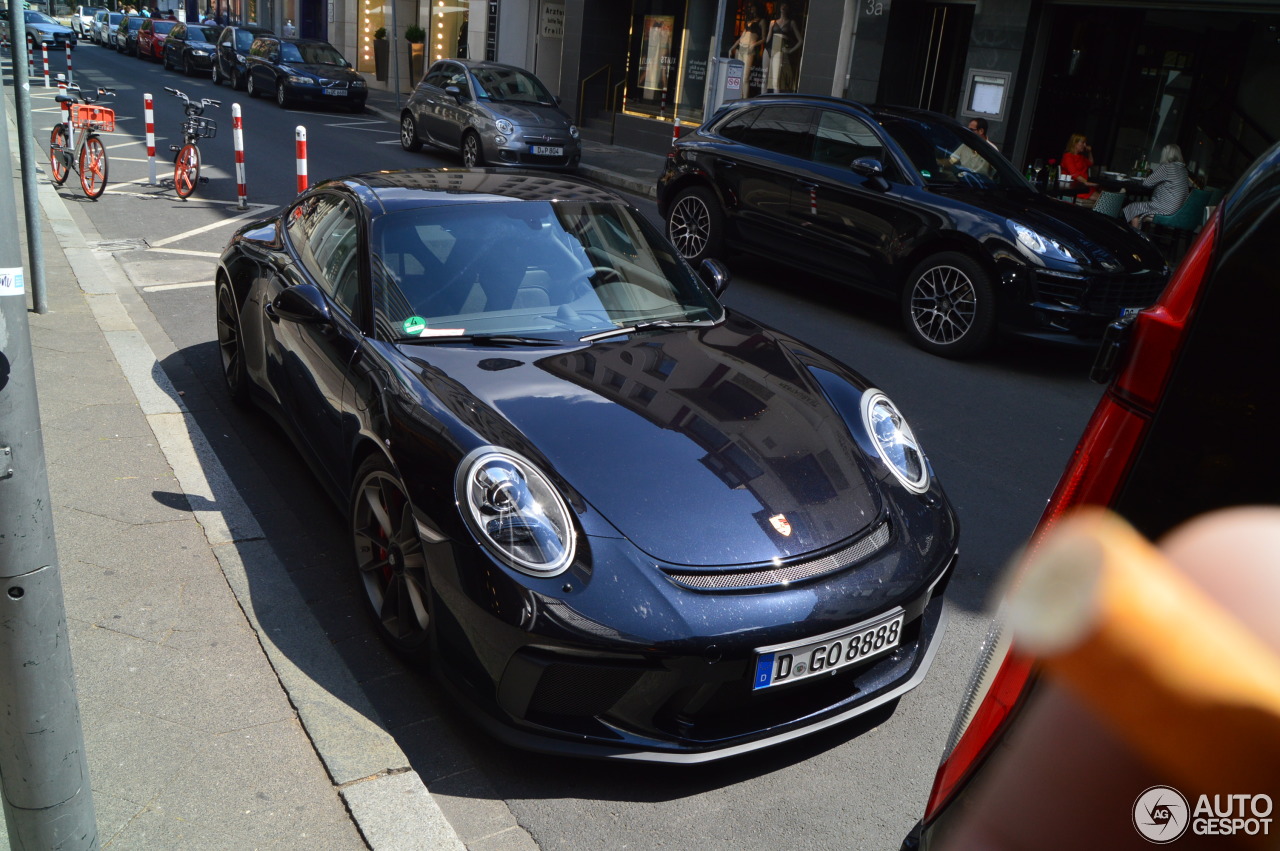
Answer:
(388, 142)
(155, 288)
(186, 251)
(204, 228)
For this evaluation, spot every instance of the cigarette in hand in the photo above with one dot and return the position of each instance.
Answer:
(1178, 677)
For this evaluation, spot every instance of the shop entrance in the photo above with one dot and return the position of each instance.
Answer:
(925, 53)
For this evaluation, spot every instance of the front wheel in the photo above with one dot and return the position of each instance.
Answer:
(409, 133)
(231, 345)
(59, 156)
(391, 561)
(186, 171)
(948, 305)
(93, 167)
(249, 86)
(472, 152)
(282, 97)
(215, 74)
(695, 224)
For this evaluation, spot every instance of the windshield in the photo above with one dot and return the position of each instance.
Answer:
(114, 17)
(510, 84)
(199, 34)
(946, 155)
(310, 54)
(161, 27)
(559, 270)
(39, 18)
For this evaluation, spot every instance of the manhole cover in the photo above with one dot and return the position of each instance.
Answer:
(119, 244)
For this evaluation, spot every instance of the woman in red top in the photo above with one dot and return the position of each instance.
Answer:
(1077, 160)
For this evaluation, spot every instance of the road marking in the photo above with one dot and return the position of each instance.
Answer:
(156, 288)
(191, 252)
(388, 142)
(203, 229)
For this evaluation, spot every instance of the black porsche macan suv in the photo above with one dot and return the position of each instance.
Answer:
(909, 204)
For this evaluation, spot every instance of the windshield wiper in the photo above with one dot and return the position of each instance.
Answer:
(485, 340)
(647, 326)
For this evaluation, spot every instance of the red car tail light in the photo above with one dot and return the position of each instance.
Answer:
(1093, 476)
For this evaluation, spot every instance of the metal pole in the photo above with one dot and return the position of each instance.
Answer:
(30, 199)
(395, 54)
(44, 773)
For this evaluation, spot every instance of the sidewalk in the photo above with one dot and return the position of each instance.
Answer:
(200, 728)
(620, 168)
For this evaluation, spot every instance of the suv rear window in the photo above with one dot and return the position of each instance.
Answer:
(782, 130)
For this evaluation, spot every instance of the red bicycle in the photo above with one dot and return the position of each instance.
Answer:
(186, 160)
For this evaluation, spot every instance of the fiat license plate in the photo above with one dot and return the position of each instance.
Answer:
(799, 660)
(336, 92)
(546, 151)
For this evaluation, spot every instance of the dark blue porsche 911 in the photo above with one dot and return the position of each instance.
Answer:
(618, 519)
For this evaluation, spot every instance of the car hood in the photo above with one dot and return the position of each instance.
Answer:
(1107, 243)
(50, 28)
(530, 114)
(710, 446)
(324, 72)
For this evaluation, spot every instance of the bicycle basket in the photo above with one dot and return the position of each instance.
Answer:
(86, 117)
(201, 127)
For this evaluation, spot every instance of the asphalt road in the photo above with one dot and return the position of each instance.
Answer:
(998, 430)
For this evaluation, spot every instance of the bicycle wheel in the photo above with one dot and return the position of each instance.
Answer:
(93, 167)
(186, 170)
(58, 157)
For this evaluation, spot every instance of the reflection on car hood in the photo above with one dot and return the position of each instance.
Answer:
(49, 28)
(529, 114)
(326, 72)
(1102, 239)
(702, 446)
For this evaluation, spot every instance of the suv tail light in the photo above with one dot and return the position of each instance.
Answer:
(1093, 476)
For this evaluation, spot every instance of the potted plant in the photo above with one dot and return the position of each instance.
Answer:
(381, 52)
(416, 37)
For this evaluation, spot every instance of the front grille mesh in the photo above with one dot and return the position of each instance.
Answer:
(764, 577)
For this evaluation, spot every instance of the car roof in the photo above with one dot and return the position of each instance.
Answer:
(472, 64)
(392, 191)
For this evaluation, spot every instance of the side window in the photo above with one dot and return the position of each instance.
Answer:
(783, 130)
(436, 77)
(244, 40)
(324, 232)
(458, 77)
(738, 125)
(178, 33)
(841, 138)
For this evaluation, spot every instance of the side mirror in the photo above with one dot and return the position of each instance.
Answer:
(872, 169)
(303, 304)
(715, 275)
(455, 92)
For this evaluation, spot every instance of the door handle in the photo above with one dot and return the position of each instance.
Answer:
(807, 184)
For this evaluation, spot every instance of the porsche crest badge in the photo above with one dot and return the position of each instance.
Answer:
(780, 524)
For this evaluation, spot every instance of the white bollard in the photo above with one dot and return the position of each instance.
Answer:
(149, 108)
(44, 50)
(237, 142)
(300, 151)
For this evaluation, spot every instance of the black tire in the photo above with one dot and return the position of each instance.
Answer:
(60, 159)
(249, 88)
(391, 562)
(164, 61)
(187, 67)
(409, 133)
(93, 167)
(231, 345)
(282, 97)
(695, 224)
(237, 82)
(948, 305)
(215, 74)
(472, 151)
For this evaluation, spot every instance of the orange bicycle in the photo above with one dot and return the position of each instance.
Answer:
(75, 144)
(186, 160)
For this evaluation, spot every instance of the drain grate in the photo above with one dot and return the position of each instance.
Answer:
(119, 244)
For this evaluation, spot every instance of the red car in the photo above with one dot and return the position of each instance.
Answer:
(1188, 425)
(151, 38)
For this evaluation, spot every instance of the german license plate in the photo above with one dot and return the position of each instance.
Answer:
(336, 92)
(546, 151)
(799, 660)
(1126, 312)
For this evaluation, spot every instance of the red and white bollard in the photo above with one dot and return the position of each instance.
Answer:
(70, 76)
(301, 154)
(148, 108)
(66, 107)
(237, 142)
(31, 59)
(44, 50)
(662, 108)
(675, 132)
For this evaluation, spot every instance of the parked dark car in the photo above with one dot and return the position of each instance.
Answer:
(1146, 453)
(127, 34)
(293, 70)
(233, 45)
(491, 114)
(151, 37)
(886, 199)
(620, 519)
(43, 29)
(189, 47)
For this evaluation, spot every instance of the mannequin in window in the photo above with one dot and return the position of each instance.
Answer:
(749, 46)
(783, 41)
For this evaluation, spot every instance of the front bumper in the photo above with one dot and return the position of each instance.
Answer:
(1077, 305)
(520, 153)
(322, 94)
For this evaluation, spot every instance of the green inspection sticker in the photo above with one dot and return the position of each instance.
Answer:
(414, 325)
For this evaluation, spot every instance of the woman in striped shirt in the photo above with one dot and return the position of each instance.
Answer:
(1172, 185)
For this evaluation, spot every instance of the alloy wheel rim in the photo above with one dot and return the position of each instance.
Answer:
(280, 93)
(406, 131)
(944, 304)
(228, 336)
(690, 226)
(469, 153)
(390, 557)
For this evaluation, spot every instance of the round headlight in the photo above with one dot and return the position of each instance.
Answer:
(515, 511)
(505, 126)
(573, 130)
(894, 440)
